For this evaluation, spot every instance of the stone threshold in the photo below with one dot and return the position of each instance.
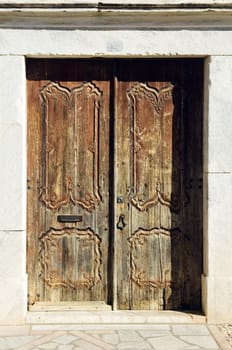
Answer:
(113, 317)
(70, 306)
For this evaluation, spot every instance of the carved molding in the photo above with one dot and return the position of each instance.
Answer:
(158, 97)
(54, 194)
(137, 271)
(140, 132)
(158, 197)
(49, 244)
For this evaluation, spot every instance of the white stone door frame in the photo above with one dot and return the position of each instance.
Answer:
(154, 30)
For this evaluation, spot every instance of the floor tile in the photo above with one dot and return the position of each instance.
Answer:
(204, 341)
(132, 336)
(84, 336)
(47, 346)
(65, 347)
(65, 339)
(84, 345)
(112, 339)
(153, 333)
(134, 345)
(196, 329)
(14, 342)
(168, 342)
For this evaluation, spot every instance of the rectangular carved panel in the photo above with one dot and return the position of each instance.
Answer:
(70, 258)
(151, 114)
(168, 254)
(71, 145)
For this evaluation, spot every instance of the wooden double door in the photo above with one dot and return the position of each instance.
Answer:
(115, 182)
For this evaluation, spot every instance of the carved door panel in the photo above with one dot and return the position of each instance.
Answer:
(68, 166)
(158, 184)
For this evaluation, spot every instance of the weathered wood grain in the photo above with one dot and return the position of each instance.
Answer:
(118, 143)
(158, 152)
(68, 166)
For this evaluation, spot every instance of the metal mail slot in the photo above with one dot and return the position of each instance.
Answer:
(69, 218)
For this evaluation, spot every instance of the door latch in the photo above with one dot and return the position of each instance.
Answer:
(121, 223)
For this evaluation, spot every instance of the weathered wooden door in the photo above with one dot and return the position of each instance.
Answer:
(114, 182)
(158, 181)
(68, 182)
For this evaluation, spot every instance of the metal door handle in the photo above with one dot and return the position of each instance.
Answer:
(121, 223)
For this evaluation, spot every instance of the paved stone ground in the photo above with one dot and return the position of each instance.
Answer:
(110, 337)
(226, 331)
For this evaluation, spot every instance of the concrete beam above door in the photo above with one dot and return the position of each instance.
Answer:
(149, 14)
(120, 4)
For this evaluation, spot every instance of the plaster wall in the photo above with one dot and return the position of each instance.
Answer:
(218, 189)
(13, 280)
(215, 47)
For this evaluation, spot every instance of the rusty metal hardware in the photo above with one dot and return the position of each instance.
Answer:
(120, 199)
(69, 218)
(121, 223)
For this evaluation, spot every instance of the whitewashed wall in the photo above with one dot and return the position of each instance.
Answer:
(217, 283)
(215, 46)
(13, 281)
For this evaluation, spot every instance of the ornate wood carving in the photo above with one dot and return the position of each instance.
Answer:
(151, 113)
(137, 243)
(54, 258)
(71, 145)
